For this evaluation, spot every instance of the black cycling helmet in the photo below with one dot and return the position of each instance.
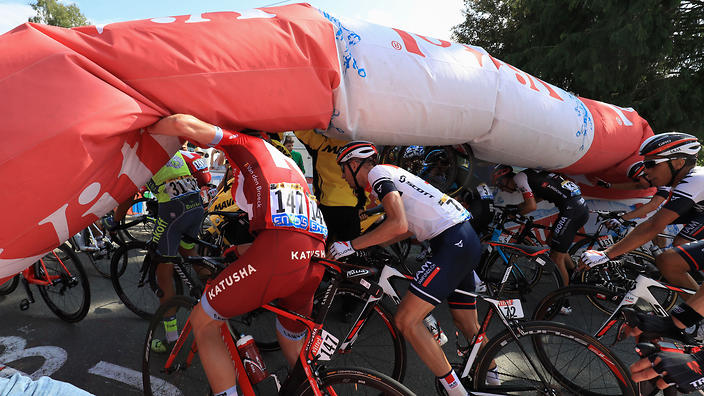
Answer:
(436, 157)
(670, 145)
(636, 170)
(358, 149)
(500, 171)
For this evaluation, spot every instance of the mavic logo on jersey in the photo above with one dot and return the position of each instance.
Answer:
(458, 244)
(694, 366)
(230, 280)
(331, 149)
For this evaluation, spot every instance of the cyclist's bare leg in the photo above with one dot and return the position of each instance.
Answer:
(563, 261)
(290, 348)
(165, 280)
(212, 351)
(680, 241)
(409, 321)
(466, 320)
(676, 271)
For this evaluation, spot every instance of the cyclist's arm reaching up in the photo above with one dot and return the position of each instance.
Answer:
(643, 232)
(188, 127)
(394, 226)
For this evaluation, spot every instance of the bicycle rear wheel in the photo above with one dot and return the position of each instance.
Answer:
(184, 375)
(569, 361)
(356, 381)
(129, 272)
(68, 295)
(526, 276)
(141, 230)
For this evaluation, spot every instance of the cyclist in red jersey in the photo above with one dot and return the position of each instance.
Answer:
(289, 230)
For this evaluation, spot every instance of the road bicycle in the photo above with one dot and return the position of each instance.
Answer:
(62, 283)
(596, 308)
(181, 368)
(97, 245)
(528, 263)
(536, 357)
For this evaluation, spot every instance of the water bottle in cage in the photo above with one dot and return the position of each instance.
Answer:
(435, 329)
(252, 359)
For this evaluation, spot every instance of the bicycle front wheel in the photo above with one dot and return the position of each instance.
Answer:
(68, 293)
(129, 272)
(356, 381)
(184, 373)
(551, 358)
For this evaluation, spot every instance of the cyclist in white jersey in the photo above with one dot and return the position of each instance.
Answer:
(414, 207)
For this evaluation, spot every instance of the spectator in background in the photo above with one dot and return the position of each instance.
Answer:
(288, 143)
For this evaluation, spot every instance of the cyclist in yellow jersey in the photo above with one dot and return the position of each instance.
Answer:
(336, 199)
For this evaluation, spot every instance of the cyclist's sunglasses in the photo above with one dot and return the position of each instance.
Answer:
(649, 164)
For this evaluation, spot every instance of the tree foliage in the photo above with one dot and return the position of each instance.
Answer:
(51, 12)
(646, 54)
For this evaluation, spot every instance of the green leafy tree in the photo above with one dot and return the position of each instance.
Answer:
(51, 12)
(646, 54)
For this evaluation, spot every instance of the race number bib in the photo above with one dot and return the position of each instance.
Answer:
(177, 187)
(511, 308)
(571, 187)
(288, 205)
(484, 191)
(317, 223)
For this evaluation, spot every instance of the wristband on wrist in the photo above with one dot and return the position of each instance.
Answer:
(217, 138)
(686, 314)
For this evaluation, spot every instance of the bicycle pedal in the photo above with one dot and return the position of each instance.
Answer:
(24, 304)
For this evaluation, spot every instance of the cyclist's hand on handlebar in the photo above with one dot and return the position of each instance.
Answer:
(674, 366)
(592, 258)
(613, 224)
(340, 249)
(648, 326)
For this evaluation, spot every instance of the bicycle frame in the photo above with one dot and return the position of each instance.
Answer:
(639, 291)
(319, 344)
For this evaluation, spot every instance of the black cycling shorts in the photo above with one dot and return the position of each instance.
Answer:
(176, 218)
(573, 216)
(456, 253)
(693, 254)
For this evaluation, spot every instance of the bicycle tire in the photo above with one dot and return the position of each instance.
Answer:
(141, 230)
(69, 295)
(379, 345)
(590, 307)
(600, 374)
(187, 377)
(358, 381)
(131, 283)
(9, 286)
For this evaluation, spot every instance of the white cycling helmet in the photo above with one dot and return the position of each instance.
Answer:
(670, 145)
(358, 149)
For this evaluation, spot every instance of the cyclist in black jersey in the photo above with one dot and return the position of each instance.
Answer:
(670, 160)
(537, 185)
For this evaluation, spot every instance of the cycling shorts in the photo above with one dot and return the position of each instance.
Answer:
(456, 253)
(277, 266)
(693, 229)
(693, 254)
(175, 218)
(573, 216)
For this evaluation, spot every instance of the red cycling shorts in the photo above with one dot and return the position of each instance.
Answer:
(276, 267)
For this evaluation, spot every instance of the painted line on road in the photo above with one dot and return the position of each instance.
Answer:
(133, 378)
